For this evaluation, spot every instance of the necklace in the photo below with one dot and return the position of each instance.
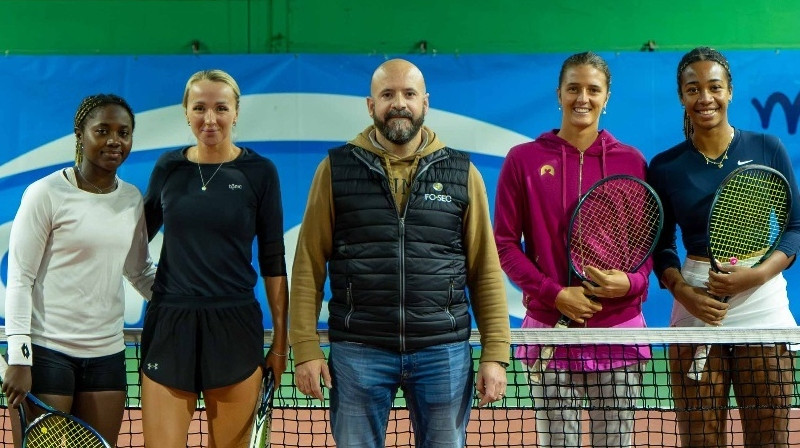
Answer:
(724, 153)
(203, 182)
(108, 189)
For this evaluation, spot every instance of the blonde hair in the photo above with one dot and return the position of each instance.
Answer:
(214, 75)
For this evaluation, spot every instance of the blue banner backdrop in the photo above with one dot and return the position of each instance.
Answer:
(295, 107)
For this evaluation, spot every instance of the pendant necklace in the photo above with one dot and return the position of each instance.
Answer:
(724, 153)
(108, 189)
(203, 182)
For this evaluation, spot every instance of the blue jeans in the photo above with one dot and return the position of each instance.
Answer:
(436, 382)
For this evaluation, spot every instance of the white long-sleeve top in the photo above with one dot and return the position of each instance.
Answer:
(68, 252)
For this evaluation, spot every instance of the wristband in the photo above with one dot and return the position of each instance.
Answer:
(19, 350)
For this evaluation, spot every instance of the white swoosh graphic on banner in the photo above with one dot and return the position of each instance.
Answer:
(282, 117)
(274, 117)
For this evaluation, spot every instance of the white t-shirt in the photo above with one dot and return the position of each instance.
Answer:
(68, 252)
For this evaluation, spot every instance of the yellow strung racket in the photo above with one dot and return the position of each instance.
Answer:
(748, 216)
(54, 428)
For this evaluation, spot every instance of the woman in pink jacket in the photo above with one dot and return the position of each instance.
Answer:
(539, 187)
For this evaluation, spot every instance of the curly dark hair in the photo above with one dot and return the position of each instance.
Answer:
(88, 106)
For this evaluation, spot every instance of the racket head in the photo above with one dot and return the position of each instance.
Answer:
(615, 226)
(262, 421)
(748, 215)
(55, 428)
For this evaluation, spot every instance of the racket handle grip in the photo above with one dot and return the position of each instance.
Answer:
(698, 366)
(545, 355)
(696, 370)
(537, 370)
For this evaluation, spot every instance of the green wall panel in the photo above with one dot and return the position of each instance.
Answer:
(377, 26)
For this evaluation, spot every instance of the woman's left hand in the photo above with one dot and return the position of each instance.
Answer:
(277, 363)
(734, 280)
(608, 284)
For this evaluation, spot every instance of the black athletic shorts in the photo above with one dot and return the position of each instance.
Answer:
(55, 373)
(199, 343)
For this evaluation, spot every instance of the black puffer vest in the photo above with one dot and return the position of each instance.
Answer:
(398, 279)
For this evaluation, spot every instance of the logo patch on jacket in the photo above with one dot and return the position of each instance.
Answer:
(547, 169)
(438, 197)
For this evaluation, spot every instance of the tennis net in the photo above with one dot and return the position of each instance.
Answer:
(653, 402)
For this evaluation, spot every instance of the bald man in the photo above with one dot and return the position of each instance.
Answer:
(400, 223)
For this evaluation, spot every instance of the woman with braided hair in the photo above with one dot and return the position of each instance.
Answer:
(77, 232)
(686, 178)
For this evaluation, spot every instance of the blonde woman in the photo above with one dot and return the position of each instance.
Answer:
(203, 331)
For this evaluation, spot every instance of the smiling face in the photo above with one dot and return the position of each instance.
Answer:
(705, 94)
(583, 94)
(211, 111)
(398, 101)
(106, 138)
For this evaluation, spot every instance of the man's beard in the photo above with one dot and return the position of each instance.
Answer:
(397, 132)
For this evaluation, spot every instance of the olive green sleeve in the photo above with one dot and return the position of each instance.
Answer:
(484, 275)
(309, 270)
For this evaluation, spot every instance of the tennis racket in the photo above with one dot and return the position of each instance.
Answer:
(54, 428)
(615, 226)
(262, 421)
(748, 216)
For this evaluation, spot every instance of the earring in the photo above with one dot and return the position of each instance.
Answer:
(559, 107)
(604, 110)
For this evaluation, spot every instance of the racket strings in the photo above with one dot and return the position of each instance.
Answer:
(615, 226)
(750, 213)
(56, 431)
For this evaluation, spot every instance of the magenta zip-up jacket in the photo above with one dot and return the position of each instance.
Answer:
(539, 187)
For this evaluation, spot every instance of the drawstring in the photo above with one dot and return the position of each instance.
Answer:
(389, 171)
(603, 171)
(564, 179)
(413, 171)
(603, 158)
(393, 184)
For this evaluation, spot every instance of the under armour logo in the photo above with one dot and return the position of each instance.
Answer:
(26, 352)
(152, 366)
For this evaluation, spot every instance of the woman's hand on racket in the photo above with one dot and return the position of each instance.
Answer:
(737, 278)
(607, 284)
(277, 363)
(734, 280)
(575, 303)
(700, 304)
(308, 375)
(17, 384)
